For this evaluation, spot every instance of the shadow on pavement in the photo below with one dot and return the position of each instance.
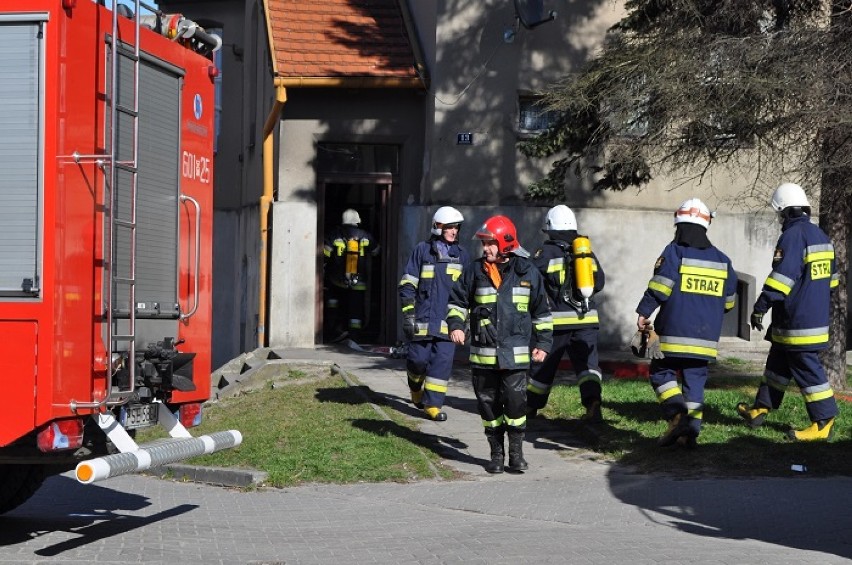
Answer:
(90, 513)
(806, 513)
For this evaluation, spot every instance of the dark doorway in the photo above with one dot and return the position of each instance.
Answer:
(360, 177)
(369, 199)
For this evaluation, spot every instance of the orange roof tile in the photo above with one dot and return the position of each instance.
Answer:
(340, 38)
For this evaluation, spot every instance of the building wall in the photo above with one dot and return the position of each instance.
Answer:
(246, 98)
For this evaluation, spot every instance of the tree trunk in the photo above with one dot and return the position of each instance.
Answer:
(835, 216)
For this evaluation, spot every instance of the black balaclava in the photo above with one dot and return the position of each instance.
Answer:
(562, 235)
(691, 235)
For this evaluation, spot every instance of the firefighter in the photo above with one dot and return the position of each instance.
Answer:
(432, 270)
(575, 322)
(798, 292)
(510, 323)
(347, 251)
(693, 285)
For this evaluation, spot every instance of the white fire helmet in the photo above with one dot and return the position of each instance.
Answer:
(351, 217)
(445, 215)
(560, 218)
(693, 211)
(787, 195)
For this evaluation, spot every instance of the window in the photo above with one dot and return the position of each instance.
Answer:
(533, 115)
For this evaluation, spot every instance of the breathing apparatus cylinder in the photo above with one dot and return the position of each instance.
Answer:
(352, 252)
(584, 277)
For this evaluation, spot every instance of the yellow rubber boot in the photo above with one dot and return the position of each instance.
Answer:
(435, 414)
(817, 431)
(417, 398)
(754, 416)
(677, 427)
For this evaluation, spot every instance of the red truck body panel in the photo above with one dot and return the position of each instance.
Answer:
(53, 344)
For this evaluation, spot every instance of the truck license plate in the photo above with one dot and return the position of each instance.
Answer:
(139, 416)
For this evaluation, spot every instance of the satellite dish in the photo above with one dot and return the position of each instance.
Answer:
(531, 13)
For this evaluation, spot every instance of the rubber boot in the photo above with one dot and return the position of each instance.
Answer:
(593, 413)
(517, 463)
(417, 398)
(495, 440)
(435, 414)
(753, 415)
(817, 431)
(678, 426)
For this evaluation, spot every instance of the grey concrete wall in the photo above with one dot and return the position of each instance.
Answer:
(627, 243)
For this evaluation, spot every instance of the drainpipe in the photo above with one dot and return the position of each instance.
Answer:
(272, 120)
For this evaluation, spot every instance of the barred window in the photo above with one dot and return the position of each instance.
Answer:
(533, 115)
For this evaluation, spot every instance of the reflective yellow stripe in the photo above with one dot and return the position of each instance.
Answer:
(704, 271)
(660, 288)
(778, 285)
(694, 349)
(819, 256)
(666, 394)
(433, 386)
(817, 396)
(456, 313)
(800, 339)
(483, 359)
(493, 423)
(515, 423)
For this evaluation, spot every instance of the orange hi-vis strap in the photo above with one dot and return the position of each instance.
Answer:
(493, 273)
(695, 213)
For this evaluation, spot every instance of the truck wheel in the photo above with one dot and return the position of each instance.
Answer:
(18, 483)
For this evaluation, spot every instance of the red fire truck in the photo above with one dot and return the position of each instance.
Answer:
(106, 195)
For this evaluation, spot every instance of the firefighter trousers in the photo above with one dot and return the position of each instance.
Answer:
(429, 365)
(501, 397)
(345, 310)
(581, 345)
(686, 398)
(805, 369)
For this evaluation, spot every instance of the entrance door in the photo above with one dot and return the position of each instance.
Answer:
(369, 195)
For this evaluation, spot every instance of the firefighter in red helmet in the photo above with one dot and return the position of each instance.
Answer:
(504, 297)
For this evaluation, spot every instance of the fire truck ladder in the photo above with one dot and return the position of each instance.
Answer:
(181, 444)
(123, 176)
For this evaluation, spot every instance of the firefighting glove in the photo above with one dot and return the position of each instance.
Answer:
(646, 344)
(654, 350)
(486, 333)
(757, 321)
(639, 344)
(409, 327)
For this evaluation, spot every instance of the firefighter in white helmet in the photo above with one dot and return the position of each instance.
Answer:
(432, 269)
(797, 290)
(575, 323)
(348, 250)
(693, 285)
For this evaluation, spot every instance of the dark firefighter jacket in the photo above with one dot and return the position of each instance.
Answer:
(517, 313)
(554, 263)
(798, 288)
(426, 282)
(336, 251)
(693, 288)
